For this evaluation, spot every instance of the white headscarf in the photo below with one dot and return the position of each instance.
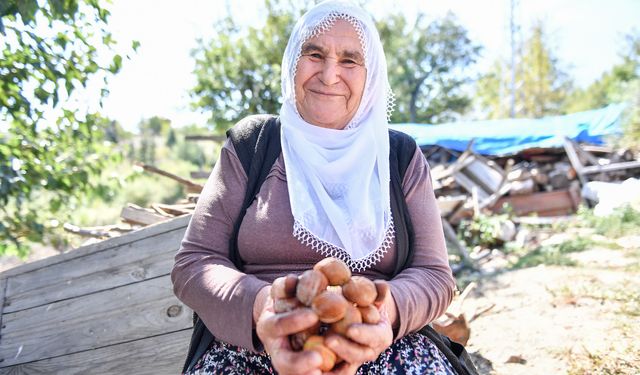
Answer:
(338, 180)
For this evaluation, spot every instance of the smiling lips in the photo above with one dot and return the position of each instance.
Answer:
(322, 93)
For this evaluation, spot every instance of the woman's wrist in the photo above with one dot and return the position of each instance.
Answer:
(392, 311)
(260, 301)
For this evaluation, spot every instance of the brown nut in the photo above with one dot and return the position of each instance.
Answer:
(329, 306)
(370, 314)
(282, 305)
(284, 287)
(382, 289)
(351, 316)
(336, 271)
(297, 340)
(316, 343)
(360, 291)
(310, 284)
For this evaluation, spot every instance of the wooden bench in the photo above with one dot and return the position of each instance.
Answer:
(106, 308)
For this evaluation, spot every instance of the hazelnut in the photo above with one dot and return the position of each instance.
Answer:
(336, 271)
(360, 291)
(316, 343)
(329, 306)
(310, 284)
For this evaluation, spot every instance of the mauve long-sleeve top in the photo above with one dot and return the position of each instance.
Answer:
(206, 280)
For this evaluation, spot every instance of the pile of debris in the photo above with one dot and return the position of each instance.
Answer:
(535, 183)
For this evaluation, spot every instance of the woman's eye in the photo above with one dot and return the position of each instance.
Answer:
(349, 63)
(315, 55)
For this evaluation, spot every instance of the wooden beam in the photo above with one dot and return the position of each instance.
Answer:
(450, 236)
(572, 154)
(611, 167)
(192, 187)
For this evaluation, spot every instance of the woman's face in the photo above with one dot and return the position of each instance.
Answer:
(330, 77)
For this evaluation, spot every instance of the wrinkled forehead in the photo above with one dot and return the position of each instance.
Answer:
(343, 27)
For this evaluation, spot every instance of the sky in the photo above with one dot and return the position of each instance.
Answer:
(587, 37)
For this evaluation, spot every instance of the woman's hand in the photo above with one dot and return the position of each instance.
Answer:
(273, 330)
(364, 342)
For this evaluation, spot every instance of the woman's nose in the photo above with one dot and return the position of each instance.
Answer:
(329, 74)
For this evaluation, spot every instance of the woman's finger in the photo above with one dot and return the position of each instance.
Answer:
(348, 350)
(373, 335)
(282, 324)
(290, 362)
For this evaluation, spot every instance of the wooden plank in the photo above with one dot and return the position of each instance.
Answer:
(553, 203)
(574, 159)
(144, 259)
(139, 215)
(450, 236)
(152, 230)
(448, 204)
(611, 167)
(110, 317)
(488, 177)
(468, 184)
(162, 354)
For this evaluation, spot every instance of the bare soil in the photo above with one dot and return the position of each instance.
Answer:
(581, 319)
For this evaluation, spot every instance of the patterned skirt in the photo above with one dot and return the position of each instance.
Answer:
(412, 354)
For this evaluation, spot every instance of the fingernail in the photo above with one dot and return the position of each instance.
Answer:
(317, 359)
(331, 342)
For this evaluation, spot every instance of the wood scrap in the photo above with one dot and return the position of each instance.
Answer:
(142, 216)
(85, 232)
(191, 186)
(174, 209)
(453, 323)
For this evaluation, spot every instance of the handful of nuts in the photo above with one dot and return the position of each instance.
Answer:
(338, 299)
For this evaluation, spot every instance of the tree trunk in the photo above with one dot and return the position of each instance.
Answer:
(413, 115)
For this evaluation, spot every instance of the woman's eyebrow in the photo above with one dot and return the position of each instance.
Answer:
(310, 47)
(353, 55)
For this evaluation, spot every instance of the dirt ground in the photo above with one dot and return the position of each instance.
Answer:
(581, 319)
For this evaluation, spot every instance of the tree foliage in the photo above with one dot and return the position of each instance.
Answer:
(542, 85)
(238, 71)
(428, 67)
(50, 151)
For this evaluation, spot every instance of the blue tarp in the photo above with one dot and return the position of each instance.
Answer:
(507, 137)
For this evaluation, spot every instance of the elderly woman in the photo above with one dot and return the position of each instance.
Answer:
(328, 194)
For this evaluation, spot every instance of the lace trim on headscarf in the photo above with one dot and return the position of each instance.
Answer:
(329, 250)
